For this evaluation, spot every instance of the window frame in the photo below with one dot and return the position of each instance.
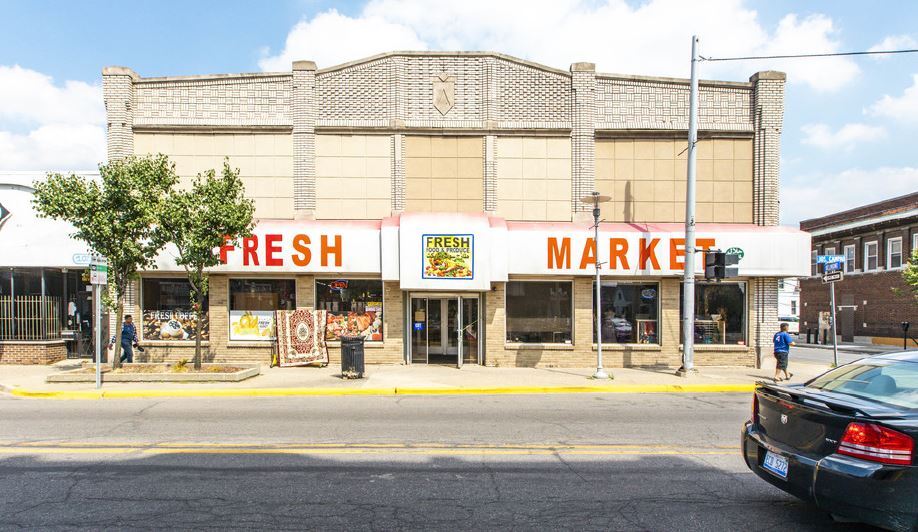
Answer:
(889, 254)
(229, 303)
(850, 265)
(315, 304)
(746, 312)
(659, 299)
(829, 250)
(876, 255)
(140, 307)
(567, 280)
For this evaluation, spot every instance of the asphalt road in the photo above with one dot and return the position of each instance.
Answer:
(585, 462)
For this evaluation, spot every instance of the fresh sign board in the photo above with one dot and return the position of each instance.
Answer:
(448, 256)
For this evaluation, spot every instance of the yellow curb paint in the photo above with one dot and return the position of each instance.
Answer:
(299, 392)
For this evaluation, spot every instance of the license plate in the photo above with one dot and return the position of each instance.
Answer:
(775, 464)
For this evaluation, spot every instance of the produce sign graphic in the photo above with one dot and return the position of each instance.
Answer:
(252, 325)
(448, 256)
(173, 325)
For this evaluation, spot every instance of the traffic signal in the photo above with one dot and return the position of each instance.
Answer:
(720, 265)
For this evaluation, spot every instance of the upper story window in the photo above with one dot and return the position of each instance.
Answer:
(830, 250)
(894, 253)
(849, 259)
(870, 256)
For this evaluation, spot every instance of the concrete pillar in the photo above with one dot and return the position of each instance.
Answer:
(304, 110)
(583, 137)
(118, 94)
(768, 119)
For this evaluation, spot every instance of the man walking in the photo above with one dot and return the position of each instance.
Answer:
(783, 342)
(128, 339)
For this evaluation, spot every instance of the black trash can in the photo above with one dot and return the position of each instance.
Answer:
(352, 366)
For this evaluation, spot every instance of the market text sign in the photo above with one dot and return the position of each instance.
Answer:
(448, 256)
(645, 253)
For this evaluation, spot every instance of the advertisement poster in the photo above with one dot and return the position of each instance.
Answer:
(367, 324)
(448, 256)
(252, 325)
(172, 325)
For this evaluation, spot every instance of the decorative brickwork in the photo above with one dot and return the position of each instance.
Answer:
(118, 93)
(237, 100)
(304, 139)
(583, 136)
(634, 103)
(768, 119)
(490, 173)
(398, 173)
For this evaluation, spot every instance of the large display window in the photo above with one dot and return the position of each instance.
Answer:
(720, 313)
(167, 312)
(629, 312)
(355, 307)
(540, 312)
(253, 303)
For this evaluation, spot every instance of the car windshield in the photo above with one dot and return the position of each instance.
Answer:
(891, 382)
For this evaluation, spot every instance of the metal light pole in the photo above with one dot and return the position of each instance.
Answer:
(688, 275)
(595, 199)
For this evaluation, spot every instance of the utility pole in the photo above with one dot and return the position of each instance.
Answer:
(595, 199)
(688, 275)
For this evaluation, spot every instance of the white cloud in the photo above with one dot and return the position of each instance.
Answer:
(651, 37)
(904, 108)
(892, 42)
(849, 135)
(332, 38)
(44, 126)
(804, 196)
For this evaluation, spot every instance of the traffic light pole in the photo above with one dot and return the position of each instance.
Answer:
(688, 275)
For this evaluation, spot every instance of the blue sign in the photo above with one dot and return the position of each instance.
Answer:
(832, 267)
(825, 259)
(419, 325)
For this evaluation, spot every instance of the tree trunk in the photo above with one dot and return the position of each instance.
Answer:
(119, 317)
(197, 323)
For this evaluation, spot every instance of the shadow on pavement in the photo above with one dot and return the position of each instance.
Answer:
(393, 491)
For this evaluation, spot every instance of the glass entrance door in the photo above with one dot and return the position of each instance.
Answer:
(444, 330)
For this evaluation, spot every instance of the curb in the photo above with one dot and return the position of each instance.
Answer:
(329, 392)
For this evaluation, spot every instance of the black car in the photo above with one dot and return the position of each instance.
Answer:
(845, 440)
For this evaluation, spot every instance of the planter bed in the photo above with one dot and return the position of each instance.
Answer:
(160, 372)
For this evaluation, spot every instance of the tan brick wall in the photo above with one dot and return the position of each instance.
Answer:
(534, 178)
(353, 177)
(646, 179)
(444, 174)
(32, 352)
(264, 160)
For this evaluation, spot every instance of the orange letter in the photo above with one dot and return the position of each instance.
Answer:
(648, 252)
(271, 248)
(559, 258)
(589, 254)
(301, 245)
(327, 250)
(618, 249)
(225, 248)
(249, 250)
(704, 243)
(676, 250)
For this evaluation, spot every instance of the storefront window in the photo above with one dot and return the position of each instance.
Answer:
(167, 312)
(253, 303)
(539, 312)
(355, 307)
(720, 313)
(629, 312)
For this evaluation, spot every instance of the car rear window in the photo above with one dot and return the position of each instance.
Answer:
(891, 382)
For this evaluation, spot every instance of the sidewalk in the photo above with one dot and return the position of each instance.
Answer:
(867, 349)
(29, 381)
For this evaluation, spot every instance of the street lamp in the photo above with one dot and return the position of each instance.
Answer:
(595, 199)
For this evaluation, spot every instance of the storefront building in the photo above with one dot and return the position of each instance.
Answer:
(45, 303)
(430, 202)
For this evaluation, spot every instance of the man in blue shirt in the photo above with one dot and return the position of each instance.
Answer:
(128, 339)
(783, 342)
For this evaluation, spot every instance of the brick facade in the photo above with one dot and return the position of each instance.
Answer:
(32, 352)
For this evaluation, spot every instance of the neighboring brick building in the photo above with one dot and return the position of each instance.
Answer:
(873, 299)
(371, 160)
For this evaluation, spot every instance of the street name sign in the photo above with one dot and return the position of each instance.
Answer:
(824, 259)
(98, 274)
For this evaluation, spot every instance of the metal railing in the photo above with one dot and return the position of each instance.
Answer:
(30, 318)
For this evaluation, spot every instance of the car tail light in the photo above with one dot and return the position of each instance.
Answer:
(877, 443)
(755, 409)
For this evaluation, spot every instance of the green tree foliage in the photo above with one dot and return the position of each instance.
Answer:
(200, 220)
(116, 216)
(910, 273)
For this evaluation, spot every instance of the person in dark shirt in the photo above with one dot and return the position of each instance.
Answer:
(783, 342)
(128, 339)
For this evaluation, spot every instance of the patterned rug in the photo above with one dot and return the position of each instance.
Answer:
(301, 337)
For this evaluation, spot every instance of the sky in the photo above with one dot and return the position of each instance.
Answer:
(849, 124)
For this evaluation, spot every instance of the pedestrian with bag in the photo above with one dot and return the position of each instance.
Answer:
(783, 342)
(128, 340)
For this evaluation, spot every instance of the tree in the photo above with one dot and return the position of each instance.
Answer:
(198, 221)
(116, 216)
(910, 273)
